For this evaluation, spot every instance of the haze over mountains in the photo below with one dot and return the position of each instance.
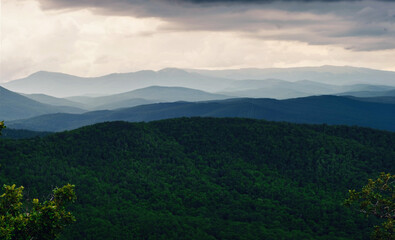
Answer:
(46, 98)
(146, 95)
(64, 85)
(223, 141)
(15, 106)
(136, 105)
(319, 81)
(320, 109)
(325, 74)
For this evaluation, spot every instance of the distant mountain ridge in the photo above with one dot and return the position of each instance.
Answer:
(321, 80)
(279, 89)
(319, 109)
(367, 93)
(64, 85)
(152, 94)
(15, 106)
(46, 99)
(338, 75)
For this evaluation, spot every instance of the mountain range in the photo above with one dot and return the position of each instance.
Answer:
(317, 109)
(337, 75)
(19, 106)
(64, 85)
(199, 163)
(16, 106)
(280, 89)
(153, 94)
(264, 83)
(48, 101)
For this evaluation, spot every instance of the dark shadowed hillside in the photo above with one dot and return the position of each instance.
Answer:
(320, 109)
(21, 134)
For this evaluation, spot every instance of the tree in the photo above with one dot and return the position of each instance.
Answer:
(377, 199)
(36, 220)
(1, 126)
(39, 220)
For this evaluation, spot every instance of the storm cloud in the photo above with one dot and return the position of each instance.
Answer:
(98, 37)
(352, 24)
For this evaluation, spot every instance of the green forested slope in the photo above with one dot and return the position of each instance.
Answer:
(21, 134)
(205, 178)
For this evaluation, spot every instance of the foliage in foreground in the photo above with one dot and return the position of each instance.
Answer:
(377, 198)
(1, 126)
(35, 220)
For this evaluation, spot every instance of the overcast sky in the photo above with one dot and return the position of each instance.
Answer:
(97, 37)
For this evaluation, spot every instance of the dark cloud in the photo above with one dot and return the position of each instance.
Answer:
(357, 25)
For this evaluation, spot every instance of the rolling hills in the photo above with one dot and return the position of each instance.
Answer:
(15, 106)
(64, 85)
(280, 89)
(318, 109)
(50, 100)
(137, 96)
(262, 83)
(336, 75)
(152, 94)
(367, 93)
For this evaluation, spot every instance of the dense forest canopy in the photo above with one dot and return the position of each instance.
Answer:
(34, 220)
(205, 178)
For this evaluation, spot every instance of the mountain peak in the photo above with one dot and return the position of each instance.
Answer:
(46, 74)
(172, 71)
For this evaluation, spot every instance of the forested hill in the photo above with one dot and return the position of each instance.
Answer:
(205, 178)
(21, 134)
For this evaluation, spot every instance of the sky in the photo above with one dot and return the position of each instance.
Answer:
(96, 37)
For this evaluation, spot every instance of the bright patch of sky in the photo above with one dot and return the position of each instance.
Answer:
(93, 37)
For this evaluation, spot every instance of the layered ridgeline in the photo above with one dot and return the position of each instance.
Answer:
(205, 178)
(338, 75)
(153, 94)
(263, 83)
(276, 89)
(64, 85)
(379, 114)
(16, 106)
(28, 105)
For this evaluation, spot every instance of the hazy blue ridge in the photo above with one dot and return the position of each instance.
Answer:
(283, 83)
(317, 110)
(16, 106)
(152, 94)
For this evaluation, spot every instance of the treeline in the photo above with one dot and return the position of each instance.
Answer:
(21, 134)
(205, 178)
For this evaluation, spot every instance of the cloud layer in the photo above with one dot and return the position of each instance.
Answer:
(356, 25)
(97, 37)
